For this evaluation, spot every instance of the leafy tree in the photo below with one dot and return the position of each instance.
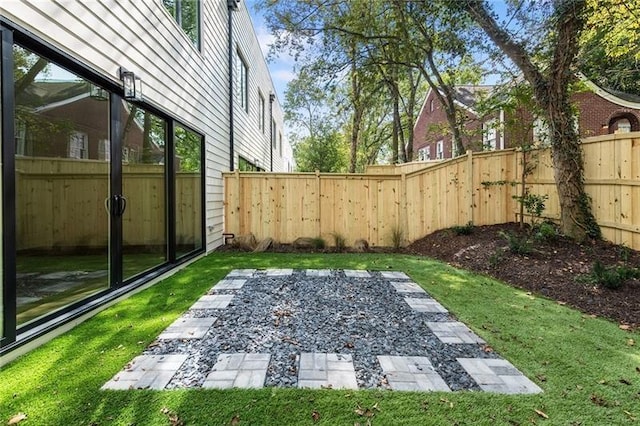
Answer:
(548, 68)
(610, 44)
(326, 152)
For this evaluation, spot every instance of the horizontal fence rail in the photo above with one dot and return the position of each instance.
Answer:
(477, 188)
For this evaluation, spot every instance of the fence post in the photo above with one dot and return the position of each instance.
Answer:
(403, 214)
(470, 185)
(318, 205)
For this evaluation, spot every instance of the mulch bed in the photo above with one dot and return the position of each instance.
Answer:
(555, 269)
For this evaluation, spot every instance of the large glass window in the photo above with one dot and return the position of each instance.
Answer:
(243, 83)
(188, 155)
(144, 221)
(61, 183)
(187, 15)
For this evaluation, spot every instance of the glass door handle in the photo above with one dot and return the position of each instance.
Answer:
(122, 204)
(115, 205)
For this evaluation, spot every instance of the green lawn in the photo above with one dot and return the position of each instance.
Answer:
(588, 367)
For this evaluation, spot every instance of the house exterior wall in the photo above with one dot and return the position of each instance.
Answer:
(431, 127)
(596, 116)
(191, 84)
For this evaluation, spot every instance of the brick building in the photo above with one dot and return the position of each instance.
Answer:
(599, 112)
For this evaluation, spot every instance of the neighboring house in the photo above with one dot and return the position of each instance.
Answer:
(105, 188)
(599, 112)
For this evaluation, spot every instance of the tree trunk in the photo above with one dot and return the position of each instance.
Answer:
(552, 96)
(576, 217)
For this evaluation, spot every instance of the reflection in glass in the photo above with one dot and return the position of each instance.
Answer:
(143, 185)
(188, 155)
(62, 180)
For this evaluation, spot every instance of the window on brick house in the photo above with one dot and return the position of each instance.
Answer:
(440, 150)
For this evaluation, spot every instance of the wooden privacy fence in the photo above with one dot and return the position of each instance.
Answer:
(477, 188)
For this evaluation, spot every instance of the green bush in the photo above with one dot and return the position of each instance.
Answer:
(318, 243)
(517, 244)
(613, 277)
(339, 240)
(546, 231)
(463, 229)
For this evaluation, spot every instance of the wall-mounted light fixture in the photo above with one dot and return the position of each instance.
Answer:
(132, 85)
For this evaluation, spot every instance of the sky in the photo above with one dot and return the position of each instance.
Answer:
(281, 68)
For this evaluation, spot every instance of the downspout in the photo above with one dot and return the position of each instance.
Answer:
(272, 98)
(232, 6)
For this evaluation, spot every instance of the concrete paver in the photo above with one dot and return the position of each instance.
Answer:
(229, 284)
(188, 328)
(326, 370)
(241, 273)
(407, 287)
(353, 273)
(425, 305)
(454, 332)
(213, 301)
(147, 372)
(238, 370)
(395, 275)
(498, 375)
(279, 272)
(411, 373)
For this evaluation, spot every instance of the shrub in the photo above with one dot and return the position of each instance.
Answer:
(546, 231)
(496, 257)
(613, 277)
(318, 243)
(517, 244)
(463, 229)
(339, 240)
(397, 237)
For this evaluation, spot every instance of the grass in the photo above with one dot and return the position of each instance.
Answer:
(588, 367)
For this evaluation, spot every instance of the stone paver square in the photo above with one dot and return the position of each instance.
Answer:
(188, 328)
(395, 275)
(318, 272)
(229, 284)
(425, 305)
(498, 375)
(279, 272)
(407, 287)
(411, 373)
(321, 370)
(238, 370)
(241, 273)
(147, 372)
(355, 273)
(213, 301)
(454, 332)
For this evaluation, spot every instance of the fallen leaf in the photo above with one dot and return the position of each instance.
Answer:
(235, 420)
(315, 416)
(631, 416)
(624, 327)
(174, 420)
(541, 377)
(349, 345)
(17, 419)
(487, 348)
(541, 413)
(561, 302)
(598, 400)
(625, 381)
(631, 342)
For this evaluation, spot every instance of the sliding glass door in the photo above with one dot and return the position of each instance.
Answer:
(62, 167)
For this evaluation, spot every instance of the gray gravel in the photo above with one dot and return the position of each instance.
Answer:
(285, 316)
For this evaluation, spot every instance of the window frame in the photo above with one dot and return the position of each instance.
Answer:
(243, 81)
(177, 16)
(440, 149)
(261, 112)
